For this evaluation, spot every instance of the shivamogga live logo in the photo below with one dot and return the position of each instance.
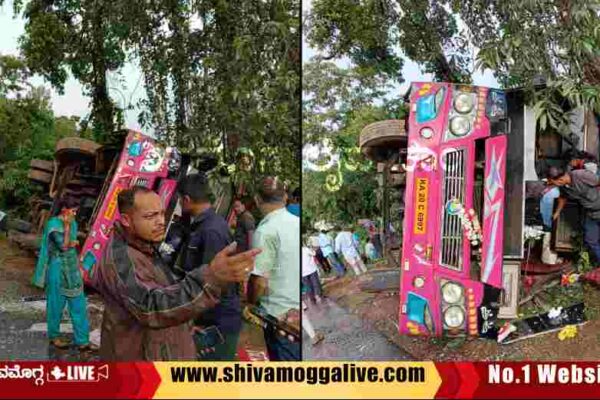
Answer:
(16, 372)
(57, 373)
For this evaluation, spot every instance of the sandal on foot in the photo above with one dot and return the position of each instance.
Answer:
(318, 338)
(88, 348)
(60, 343)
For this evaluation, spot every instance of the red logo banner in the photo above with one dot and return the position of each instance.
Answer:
(30, 380)
(518, 380)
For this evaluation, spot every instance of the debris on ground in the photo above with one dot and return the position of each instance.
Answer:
(379, 310)
(568, 332)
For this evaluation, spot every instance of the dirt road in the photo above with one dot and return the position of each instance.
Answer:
(23, 323)
(347, 337)
(379, 311)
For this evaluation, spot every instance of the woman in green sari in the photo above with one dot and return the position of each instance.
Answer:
(57, 272)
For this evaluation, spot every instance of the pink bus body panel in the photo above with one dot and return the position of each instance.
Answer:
(422, 269)
(142, 162)
(493, 219)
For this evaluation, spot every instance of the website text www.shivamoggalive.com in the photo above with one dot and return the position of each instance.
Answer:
(346, 373)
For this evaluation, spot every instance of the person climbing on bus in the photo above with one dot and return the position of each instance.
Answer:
(580, 161)
(580, 185)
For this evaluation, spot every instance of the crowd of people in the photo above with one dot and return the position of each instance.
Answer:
(334, 253)
(343, 251)
(185, 303)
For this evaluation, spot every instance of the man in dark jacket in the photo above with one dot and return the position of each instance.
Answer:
(147, 312)
(208, 234)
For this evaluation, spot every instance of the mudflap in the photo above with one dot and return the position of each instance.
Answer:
(487, 312)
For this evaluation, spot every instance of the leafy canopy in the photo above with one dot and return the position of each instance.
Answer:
(522, 42)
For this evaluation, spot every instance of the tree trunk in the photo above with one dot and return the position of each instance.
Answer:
(102, 106)
(179, 25)
(591, 70)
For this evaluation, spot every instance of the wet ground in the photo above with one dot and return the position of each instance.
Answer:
(347, 337)
(23, 317)
(19, 342)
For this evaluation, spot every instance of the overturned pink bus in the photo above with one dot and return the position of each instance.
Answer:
(143, 162)
(452, 252)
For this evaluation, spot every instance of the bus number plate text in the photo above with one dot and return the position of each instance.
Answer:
(421, 206)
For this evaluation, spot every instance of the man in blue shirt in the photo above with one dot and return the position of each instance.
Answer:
(294, 204)
(206, 236)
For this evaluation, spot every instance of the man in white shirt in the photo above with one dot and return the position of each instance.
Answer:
(345, 245)
(275, 282)
(326, 246)
(310, 275)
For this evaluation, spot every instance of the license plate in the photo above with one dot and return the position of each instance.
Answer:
(421, 205)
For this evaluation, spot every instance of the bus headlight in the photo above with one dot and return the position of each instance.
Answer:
(460, 126)
(463, 103)
(452, 292)
(454, 317)
(426, 133)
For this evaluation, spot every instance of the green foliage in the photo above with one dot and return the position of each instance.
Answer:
(230, 81)
(332, 95)
(28, 131)
(558, 42)
(377, 34)
(13, 75)
(218, 75)
(83, 38)
(361, 30)
(524, 43)
(337, 104)
(355, 199)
